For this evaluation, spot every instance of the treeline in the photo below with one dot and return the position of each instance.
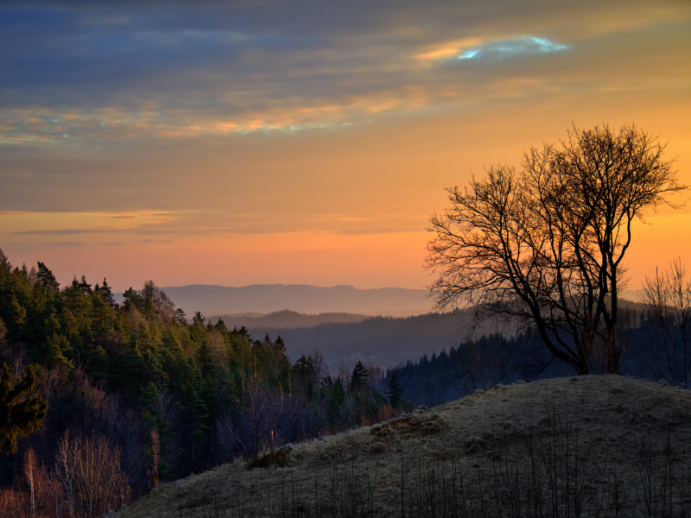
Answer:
(386, 341)
(652, 349)
(475, 364)
(149, 395)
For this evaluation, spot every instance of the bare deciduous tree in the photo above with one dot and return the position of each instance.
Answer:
(546, 244)
(30, 473)
(668, 300)
(89, 469)
(162, 304)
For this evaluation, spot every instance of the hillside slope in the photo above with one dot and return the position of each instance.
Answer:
(606, 445)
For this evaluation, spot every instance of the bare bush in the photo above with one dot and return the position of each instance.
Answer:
(667, 296)
(89, 470)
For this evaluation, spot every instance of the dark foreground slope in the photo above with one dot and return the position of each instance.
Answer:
(587, 446)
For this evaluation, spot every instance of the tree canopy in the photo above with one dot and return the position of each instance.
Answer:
(21, 413)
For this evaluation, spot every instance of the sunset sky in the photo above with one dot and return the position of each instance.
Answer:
(261, 141)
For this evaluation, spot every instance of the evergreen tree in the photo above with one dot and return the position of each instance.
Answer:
(107, 294)
(180, 316)
(133, 299)
(206, 358)
(395, 392)
(4, 261)
(303, 374)
(358, 381)
(332, 391)
(20, 414)
(221, 327)
(46, 279)
(56, 346)
(198, 319)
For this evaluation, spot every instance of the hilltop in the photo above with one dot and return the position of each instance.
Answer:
(600, 445)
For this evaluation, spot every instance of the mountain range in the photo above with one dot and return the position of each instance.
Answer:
(285, 319)
(303, 298)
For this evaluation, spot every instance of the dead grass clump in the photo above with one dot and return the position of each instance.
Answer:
(411, 426)
(475, 445)
(278, 458)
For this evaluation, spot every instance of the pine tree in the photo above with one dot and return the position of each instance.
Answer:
(107, 294)
(180, 316)
(395, 392)
(4, 261)
(358, 381)
(46, 278)
(20, 414)
(55, 347)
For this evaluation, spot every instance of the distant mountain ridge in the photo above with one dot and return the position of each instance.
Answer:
(286, 319)
(301, 298)
(383, 341)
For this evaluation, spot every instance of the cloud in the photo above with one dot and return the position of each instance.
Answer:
(177, 225)
(82, 75)
(474, 48)
(52, 244)
(69, 232)
(286, 117)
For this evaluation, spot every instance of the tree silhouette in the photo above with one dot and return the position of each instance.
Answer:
(46, 278)
(20, 413)
(358, 381)
(395, 391)
(667, 297)
(545, 244)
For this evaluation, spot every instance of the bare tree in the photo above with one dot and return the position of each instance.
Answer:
(89, 469)
(162, 304)
(30, 473)
(668, 299)
(546, 244)
(253, 407)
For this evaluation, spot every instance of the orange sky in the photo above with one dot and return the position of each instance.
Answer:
(327, 174)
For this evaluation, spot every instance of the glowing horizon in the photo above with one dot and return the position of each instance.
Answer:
(269, 143)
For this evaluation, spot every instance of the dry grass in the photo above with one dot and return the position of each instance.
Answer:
(278, 458)
(586, 446)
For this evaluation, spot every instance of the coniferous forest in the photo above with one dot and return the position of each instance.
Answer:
(134, 395)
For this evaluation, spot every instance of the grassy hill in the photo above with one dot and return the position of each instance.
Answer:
(580, 446)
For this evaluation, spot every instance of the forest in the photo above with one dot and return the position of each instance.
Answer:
(137, 396)
(653, 345)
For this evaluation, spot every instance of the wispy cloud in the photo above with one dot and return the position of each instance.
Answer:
(175, 225)
(477, 48)
(270, 116)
